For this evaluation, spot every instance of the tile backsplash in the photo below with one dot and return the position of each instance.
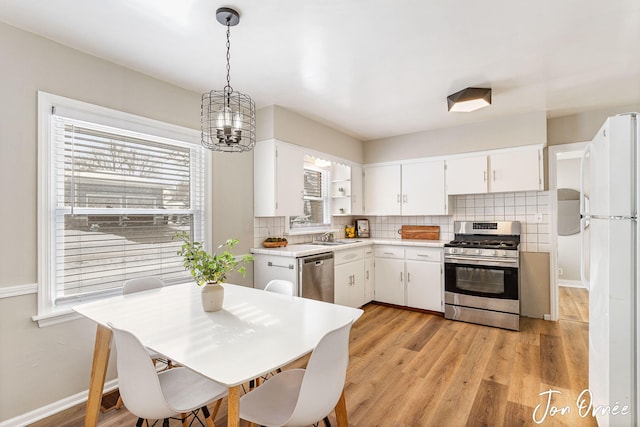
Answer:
(531, 208)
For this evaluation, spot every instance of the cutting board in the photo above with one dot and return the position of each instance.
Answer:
(422, 232)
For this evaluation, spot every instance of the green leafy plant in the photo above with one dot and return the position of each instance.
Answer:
(206, 267)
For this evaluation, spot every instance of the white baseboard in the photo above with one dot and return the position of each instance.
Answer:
(571, 283)
(55, 407)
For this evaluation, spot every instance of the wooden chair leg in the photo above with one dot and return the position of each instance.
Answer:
(119, 403)
(185, 422)
(207, 417)
(216, 409)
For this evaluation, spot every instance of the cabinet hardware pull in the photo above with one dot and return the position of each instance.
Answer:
(270, 264)
(485, 176)
(398, 198)
(494, 176)
(424, 255)
(367, 274)
(401, 276)
(404, 198)
(408, 277)
(388, 253)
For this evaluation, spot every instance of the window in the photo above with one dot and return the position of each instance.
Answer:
(114, 190)
(315, 198)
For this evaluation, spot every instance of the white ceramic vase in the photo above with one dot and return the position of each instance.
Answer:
(212, 297)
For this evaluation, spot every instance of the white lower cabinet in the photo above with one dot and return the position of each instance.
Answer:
(424, 278)
(389, 272)
(349, 277)
(409, 277)
(369, 276)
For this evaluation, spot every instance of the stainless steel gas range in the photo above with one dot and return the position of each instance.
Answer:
(482, 284)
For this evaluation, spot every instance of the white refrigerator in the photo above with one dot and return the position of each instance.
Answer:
(609, 209)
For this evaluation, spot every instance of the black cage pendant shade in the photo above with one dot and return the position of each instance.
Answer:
(228, 117)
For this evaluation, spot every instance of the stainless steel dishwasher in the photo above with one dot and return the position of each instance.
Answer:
(315, 277)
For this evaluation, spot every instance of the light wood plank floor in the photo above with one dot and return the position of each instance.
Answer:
(573, 303)
(414, 369)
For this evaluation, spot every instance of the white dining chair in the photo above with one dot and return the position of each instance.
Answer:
(149, 394)
(301, 397)
(141, 284)
(280, 286)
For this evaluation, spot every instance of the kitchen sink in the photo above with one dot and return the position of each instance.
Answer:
(335, 242)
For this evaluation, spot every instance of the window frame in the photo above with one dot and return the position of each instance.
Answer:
(48, 312)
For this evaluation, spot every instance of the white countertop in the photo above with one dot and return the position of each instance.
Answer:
(305, 249)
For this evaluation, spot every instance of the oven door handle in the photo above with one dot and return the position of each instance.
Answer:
(464, 258)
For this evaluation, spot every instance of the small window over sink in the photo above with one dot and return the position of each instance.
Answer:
(315, 198)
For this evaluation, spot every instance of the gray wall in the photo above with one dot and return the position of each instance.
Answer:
(582, 127)
(39, 366)
(279, 123)
(525, 129)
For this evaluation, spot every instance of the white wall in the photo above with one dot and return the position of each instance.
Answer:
(568, 176)
(39, 366)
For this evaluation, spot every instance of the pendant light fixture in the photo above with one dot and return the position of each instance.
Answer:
(469, 99)
(228, 117)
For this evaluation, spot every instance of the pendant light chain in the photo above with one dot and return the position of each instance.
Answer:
(228, 88)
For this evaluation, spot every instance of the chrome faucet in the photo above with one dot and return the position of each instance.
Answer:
(327, 237)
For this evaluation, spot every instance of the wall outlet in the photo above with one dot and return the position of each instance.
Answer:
(538, 217)
(561, 272)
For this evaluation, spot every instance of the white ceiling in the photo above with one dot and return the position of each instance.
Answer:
(372, 68)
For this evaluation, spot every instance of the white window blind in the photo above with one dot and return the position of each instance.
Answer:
(120, 197)
(315, 201)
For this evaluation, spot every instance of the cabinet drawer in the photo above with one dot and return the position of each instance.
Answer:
(389, 251)
(347, 255)
(424, 254)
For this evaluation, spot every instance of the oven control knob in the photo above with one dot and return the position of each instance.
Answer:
(463, 251)
(495, 252)
(452, 250)
(479, 251)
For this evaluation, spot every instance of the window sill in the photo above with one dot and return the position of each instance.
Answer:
(55, 317)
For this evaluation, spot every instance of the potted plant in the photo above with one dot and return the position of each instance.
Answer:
(211, 269)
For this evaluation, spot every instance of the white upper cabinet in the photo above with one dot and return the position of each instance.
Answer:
(467, 175)
(382, 190)
(515, 169)
(357, 190)
(278, 179)
(423, 191)
(346, 189)
(519, 170)
(406, 189)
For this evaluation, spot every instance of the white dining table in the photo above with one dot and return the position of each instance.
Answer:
(255, 333)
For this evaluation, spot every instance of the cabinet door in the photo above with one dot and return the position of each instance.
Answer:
(423, 191)
(368, 276)
(389, 284)
(290, 180)
(349, 284)
(466, 175)
(382, 190)
(516, 171)
(424, 289)
(356, 190)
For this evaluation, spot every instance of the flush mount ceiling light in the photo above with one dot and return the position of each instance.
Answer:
(228, 118)
(469, 99)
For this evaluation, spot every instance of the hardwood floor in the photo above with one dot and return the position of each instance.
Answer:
(414, 369)
(573, 303)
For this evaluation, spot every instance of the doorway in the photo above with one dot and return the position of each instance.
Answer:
(569, 297)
